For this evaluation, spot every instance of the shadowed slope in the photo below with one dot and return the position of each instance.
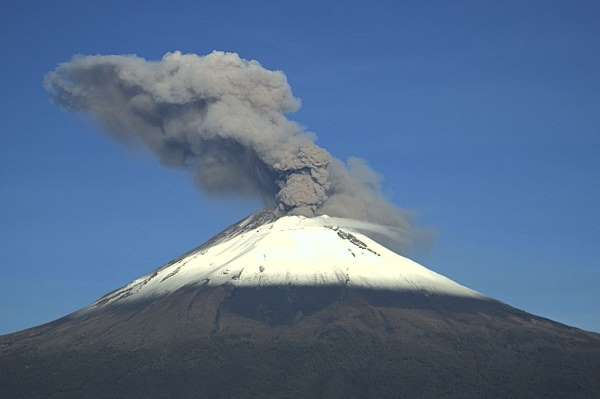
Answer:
(295, 342)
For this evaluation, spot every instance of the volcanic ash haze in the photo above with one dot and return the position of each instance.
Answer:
(224, 119)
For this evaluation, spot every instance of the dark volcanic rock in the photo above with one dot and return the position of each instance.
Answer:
(301, 342)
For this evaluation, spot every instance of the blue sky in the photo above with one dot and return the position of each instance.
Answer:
(482, 116)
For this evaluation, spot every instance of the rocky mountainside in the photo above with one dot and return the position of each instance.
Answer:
(298, 307)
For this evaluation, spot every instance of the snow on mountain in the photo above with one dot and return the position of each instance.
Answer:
(264, 250)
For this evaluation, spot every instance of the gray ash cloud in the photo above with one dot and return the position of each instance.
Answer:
(224, 119)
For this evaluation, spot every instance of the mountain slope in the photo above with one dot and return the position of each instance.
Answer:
(298, 308)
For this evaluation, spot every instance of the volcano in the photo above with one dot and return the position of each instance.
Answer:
(297, 307)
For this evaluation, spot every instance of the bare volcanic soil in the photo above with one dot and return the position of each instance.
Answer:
(301, 342)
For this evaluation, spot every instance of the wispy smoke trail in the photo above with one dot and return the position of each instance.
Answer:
(224, 119)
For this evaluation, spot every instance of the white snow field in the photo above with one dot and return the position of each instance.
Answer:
(292, 250)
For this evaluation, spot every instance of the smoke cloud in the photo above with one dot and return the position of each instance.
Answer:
(224, 119)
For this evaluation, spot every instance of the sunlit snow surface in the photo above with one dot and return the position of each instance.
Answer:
(292, 250)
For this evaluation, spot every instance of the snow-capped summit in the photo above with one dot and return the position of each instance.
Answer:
(264, 250)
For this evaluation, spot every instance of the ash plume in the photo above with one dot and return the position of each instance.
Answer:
(224, 119)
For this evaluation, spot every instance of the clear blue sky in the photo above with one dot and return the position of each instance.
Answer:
(483, 116)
